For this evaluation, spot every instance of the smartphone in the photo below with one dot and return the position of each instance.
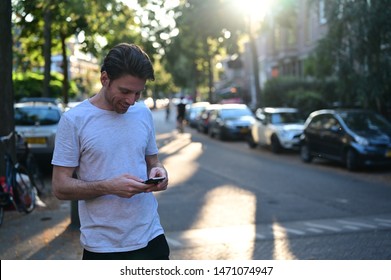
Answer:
(155, 180)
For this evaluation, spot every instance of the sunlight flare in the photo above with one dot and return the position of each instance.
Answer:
(254, 9)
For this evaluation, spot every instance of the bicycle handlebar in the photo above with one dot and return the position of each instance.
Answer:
(7, 137)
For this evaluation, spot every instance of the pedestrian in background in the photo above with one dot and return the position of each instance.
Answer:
(109, 142)
(181, 113)
(168, 110)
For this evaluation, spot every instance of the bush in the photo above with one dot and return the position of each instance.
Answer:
(306, 101)
(30, 84)
(306, 95)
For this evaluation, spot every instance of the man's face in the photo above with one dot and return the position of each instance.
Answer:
(123, 92)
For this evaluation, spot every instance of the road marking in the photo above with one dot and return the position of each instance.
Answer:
(356, 224)
(323, 227)
(298, 232)
(315, 230)
(385, 224)
(383, 220)
(281, 232)
(260, 236)
(200, 237)
(351, 227)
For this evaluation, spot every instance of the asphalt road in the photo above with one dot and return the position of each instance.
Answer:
(226, 201)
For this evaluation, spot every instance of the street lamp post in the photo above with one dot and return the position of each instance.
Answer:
(255, 85)
(252, 10)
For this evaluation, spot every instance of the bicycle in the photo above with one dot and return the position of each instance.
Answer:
(180, 125)
(27, 159)
(16, 189)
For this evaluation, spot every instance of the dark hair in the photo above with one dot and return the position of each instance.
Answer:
(128, 59)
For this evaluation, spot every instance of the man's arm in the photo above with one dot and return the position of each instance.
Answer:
(65, 187)
(156, 169)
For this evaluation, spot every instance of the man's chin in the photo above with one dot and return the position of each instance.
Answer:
(122, 110)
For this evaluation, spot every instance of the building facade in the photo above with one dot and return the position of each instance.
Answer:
(283, 45)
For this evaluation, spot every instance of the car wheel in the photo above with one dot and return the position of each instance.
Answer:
(250, 141)
(351, 160)
(305, 153)
(275, 144)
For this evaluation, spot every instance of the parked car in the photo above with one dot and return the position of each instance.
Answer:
(230, 121)
(36, 122)
(203, 118)
(354, 137)
(192, 111)
(56, 101)
(277, 128)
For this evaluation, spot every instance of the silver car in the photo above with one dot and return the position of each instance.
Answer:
(277, 128)
(37, 122)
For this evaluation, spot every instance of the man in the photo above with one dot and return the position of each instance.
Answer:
(108, 142)
(181, 113)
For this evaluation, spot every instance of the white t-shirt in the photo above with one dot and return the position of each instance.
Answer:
(103, 144)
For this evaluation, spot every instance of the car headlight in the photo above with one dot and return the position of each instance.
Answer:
(283, 133)
(361, 140)
(229, 124)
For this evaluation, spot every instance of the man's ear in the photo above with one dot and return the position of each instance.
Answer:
(104, 79)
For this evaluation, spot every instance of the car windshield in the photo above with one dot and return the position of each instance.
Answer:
(365, 121)
(280, 118)
(234, 113)
(33, 116)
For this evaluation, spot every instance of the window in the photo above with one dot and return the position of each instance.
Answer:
(33, 116)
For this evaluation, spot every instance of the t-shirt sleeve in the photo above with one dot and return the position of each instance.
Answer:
(152, 148)
(67, 149)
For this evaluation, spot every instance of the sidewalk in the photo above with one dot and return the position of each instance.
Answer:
(44, 234)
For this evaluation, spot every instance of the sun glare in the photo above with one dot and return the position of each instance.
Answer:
(255, 9)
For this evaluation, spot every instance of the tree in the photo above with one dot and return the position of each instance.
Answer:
(6, 93)
(358, 51)
(47, 46)
(203, 33)
(107, 21)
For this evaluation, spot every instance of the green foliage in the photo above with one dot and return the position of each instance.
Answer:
(307, 95)
(202, 28)
(163, 84)
(306, 100)
(356, 52)
(29, 84)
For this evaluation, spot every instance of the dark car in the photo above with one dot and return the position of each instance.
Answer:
(231, 121)
(192, 111)
(354, 137)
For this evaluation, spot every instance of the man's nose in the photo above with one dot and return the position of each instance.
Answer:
(130, 100)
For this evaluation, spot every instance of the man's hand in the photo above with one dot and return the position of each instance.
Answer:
(127, 186)
(158, 172)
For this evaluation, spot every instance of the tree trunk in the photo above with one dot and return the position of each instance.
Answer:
(47, 53)
(255, 68)
(65, 82)
(7, 124)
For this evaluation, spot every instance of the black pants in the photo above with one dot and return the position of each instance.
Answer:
(157, 249)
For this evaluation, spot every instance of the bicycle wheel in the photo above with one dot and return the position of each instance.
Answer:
(35, 174)
(24, 191)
